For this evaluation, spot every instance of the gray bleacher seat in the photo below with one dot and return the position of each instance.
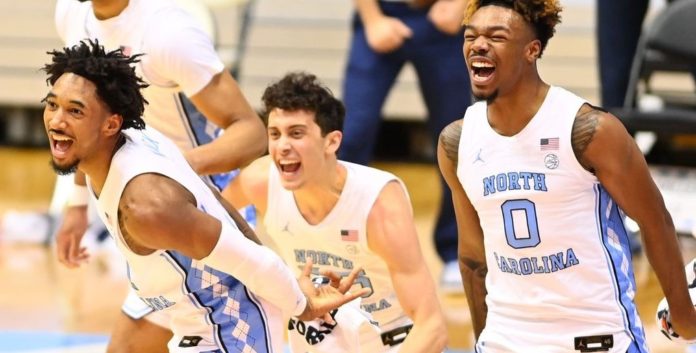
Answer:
(667, 46)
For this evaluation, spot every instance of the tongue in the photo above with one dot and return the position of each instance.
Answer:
(290, 168)
(485, 72)
(63, 146)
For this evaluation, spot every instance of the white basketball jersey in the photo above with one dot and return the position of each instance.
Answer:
(559, 262)
(339, 242)
(208, 309)
(179, 57)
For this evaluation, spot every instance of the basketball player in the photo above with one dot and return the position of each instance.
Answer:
(340, 215)
(180, 61)
(541, 181)
(186, 253)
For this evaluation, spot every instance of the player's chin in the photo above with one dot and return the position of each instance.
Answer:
(64, 167)
(291, 185)
(487, 94)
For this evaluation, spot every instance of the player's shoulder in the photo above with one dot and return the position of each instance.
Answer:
(255, 175)
(449, 140)
(367, 174)
(592, 119)
(453, 129)
(153, 194)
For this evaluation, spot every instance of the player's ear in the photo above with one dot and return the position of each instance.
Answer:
(333, 141)
(533, 51)
(112, 125)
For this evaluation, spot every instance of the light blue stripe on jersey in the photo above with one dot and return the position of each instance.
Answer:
(202, 132)
(239, 321)
(618, 251)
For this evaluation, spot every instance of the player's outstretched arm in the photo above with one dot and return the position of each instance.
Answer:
(69, 249)
(604, 147)
(472, 258)
(158, 213)
(391, 234)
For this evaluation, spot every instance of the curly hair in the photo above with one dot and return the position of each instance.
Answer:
(543, 15)
(303, 91)
(111, 72)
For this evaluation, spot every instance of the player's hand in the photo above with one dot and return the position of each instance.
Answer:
(321, 300)
(447, 15)
(684, 324)
(386, 34)
(69, 237)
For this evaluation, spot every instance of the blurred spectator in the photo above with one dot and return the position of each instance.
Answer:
(619, 26)
(385, 36)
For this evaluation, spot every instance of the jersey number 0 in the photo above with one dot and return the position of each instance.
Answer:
(520, 210)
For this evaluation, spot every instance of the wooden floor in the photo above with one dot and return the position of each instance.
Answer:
(39, 295)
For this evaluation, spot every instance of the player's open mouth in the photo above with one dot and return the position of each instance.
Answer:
(289, 167)
(482, 71)
(60, 144)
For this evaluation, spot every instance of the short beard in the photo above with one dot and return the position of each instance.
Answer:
(64, 170)
(489, 99)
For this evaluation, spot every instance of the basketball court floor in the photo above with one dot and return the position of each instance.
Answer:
(45, 308)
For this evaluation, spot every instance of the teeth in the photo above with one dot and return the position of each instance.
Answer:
(286, 162)
(480, 65)
(61, 138)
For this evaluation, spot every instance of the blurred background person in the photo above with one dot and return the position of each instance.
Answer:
(385, 36)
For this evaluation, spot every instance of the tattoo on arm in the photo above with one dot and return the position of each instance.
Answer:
(474, 278)
(449, 139)
(584, 129)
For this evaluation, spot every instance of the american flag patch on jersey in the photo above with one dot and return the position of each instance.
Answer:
(548, 144)
(349, 235)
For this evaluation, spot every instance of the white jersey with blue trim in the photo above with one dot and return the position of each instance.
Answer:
(559, 261)
(339, 242)
(179, 57)
(209, 310)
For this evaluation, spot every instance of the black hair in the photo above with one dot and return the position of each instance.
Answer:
(303, 91)
(542, 15)
(111, 72)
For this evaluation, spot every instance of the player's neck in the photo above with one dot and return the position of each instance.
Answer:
(106, 9)
(510, 112)
(316, 199)
(96, 167)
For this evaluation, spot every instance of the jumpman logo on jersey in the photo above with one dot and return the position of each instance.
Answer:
(286, 228)
(478, 157)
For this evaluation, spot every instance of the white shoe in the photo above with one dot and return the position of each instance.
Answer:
(451, 278)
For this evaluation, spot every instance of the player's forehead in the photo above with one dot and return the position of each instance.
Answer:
(493, 17)
(285, 119)
(73, 86)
